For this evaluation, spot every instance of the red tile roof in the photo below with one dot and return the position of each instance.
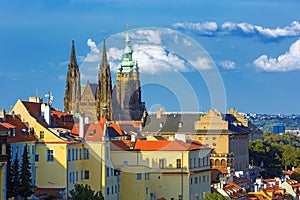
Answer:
(21, 130)
(157, 145)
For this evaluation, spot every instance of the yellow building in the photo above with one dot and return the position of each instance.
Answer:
(52, 146)
(162, 169)
(226, 134)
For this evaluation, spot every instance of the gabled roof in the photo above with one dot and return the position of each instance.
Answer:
(155, 145)
(22, 133)
(90, 88)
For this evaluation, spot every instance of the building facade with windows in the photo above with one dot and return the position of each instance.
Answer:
(162, 169)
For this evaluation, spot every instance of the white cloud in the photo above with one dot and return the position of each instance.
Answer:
(202, 63)
(287, 62)
(154, 59)
(227, 64)
(240, 29)
(206, 28)
(94, 55)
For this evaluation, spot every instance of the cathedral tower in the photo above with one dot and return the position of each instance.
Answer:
(104, 89)
(128, 105)
(72, 93)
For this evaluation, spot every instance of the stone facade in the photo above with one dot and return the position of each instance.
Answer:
(99, 100)
(104, 89)
(73, 89)
(127, 102)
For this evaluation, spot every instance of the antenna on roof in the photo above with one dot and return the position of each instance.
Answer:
(50, 98)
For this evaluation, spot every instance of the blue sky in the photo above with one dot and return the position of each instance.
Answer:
(254, 44)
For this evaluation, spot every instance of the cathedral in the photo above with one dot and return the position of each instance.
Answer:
(121, 102)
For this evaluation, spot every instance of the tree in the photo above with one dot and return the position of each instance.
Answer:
(296, 175)
(85, 192)
(214, 196)
(15, 178)
(25, 189)
(9, 184)
(290, 156)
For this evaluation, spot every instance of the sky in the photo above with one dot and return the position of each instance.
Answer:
(193, 55)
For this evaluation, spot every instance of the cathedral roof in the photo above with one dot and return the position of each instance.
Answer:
(73, 55)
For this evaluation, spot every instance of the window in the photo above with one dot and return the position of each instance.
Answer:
(191, 179)
(147, 190)
(73, 175)
(37, 158)
(214, 138)
(69, 154)
(199, 159)
(76, 154)
(80, 153)
(73, 157)
(86, 154)
(76, 177)
(191, 163)
(162, 163)
(125, 163)
(147, 176)
(178, 163)
(41, 134)
(116, 189)
(112, 189)
(199, 179)
(70, 177)
(196, 180)
(107, 171)
(214, 144)
(107, 190)
(199, 138)
(81, 175)
(32, 149)
(161, 124)
(195, 162)
(203, 179)
(86, 174)
(50, 155)
(28, 149)
(138, 176)
(207, 178)
(180, 124)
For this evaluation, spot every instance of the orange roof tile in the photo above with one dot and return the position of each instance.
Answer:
(158, 145)
(7, 125)
(21, 130)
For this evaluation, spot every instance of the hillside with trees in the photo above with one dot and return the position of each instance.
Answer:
(275, 153)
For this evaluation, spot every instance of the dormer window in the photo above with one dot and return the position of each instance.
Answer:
(14, 132)
(161, 124)
(180, 124)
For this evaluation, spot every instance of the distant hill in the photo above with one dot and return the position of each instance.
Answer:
(266, 122)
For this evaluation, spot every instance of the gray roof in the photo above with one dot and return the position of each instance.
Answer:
(184, 123)
(171, 123)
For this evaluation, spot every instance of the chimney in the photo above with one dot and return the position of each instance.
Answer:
(35, 99)
(81, 127)
(3, 114)
(45, 109)
(159, 113)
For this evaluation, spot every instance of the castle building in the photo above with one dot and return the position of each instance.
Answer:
(127, 93)
(72, 93)
(123, 103)
(104, 89)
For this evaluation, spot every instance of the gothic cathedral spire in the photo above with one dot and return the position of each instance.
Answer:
(72, 93)
(128, 104)
(104, 90)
